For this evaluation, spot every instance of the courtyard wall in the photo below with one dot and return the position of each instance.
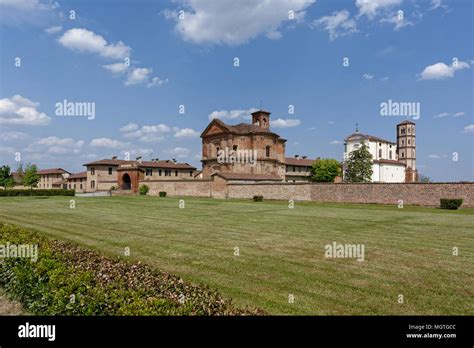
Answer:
(424, 194)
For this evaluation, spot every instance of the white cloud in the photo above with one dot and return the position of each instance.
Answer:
(10, 136)
(336, 142)
(179, 152)
(84, 40)
(469, 129)
(441, 115)
(53, 30)
(137, 76)
(142, 75)
(281, 123)
(186, 133)
(459, 114)
(156, 81)
(368, 76)
(234, 22)
(55, 146)
(434, 156)
(441, 71)
(24, 12)
(129, 127)
(398, 21)
(116, 68)
(232, 114)
(149, 133)
(337, 25)
(371, 8)
(19, 110)
(107, 143)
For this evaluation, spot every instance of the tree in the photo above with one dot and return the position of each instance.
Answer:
(358, 167)
(6, 178)
(325, 170)
(424, 178)
(30, 177)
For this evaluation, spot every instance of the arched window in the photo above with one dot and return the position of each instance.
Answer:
(267, 151)
(217, 150)
(264, 122)
(380, 153)
(390, 154)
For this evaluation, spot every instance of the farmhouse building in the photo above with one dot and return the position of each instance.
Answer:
(111, 173)
(53, 178)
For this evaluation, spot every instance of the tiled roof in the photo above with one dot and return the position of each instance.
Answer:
(242, 128)
(80, 175)
(59, 182)
(407, 122)
(250, 177)
(52, 171)
(167, 164)
(370, 138)
(299, 161)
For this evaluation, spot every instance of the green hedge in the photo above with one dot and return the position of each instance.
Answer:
(37, 192)
(258, 198)
(144, 190)
(450, 203)
(162, 193)
(69, 280)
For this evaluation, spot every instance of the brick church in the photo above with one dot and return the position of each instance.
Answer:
(257, 138)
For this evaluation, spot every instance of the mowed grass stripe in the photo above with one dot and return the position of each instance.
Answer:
(282, 250)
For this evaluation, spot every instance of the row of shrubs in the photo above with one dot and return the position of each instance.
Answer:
(144, 189)
(70, 280)
(37, 192)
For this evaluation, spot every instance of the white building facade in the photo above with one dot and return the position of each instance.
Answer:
(385, 164)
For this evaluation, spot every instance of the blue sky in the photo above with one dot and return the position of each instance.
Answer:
(285, 58)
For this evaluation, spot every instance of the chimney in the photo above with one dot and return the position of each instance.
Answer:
(297, 156)
(305, 157)
(174, 160)
(114, 158)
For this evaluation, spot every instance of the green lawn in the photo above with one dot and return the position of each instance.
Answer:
(408, 251)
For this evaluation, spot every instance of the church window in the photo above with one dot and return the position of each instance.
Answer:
(408, 141)
(264, 122)
(380, 153)
(409, 130)
(267, 151)
(403, 154)
(390, 154)
(402, 130)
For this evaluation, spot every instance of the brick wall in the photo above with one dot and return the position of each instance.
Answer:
(413, 193)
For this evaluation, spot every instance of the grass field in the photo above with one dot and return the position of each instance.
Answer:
(408, 251)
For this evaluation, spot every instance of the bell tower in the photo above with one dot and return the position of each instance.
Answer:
(406, 149)
(261, 118)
